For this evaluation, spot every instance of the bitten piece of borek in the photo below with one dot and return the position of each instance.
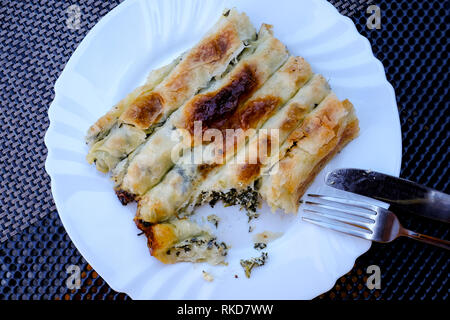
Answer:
(182, 240)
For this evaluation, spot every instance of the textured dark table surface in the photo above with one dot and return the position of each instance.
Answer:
(35, 44)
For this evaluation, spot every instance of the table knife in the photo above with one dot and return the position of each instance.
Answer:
(400, 193)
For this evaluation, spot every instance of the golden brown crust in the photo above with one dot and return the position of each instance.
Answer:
(125, 197)
(211, 106)
(214, 49)
(165, 90)
(320, 128)
(145, 110)
(265, 147)
(351, 132)
(204, 169)
(178, 189)
(295, 113)
(300, 70)
(102, 126)
(257, 109)
(160, 237)
(250, 170)
(322, 134)
(215, 108)
(182, 240)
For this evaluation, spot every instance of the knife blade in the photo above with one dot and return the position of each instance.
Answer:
(400, 193)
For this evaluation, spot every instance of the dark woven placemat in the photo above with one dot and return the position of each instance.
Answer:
(35, 44)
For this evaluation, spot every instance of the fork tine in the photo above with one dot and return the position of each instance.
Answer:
(337, 226)
(370, 210)
(345, 218)
(351, 215)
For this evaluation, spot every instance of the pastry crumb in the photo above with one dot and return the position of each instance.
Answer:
(266, 236)
(207, 276)
(212, 218)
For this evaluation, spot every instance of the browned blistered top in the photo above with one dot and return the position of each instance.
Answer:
(215, 47)
(205, 168)
(295, 113)
(215, 109)
(255, 110)
(210, 54)
(145, 109)
(249, 171)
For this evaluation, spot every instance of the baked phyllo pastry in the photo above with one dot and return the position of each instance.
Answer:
(323, 133)
(182, 240)
(140, 113)
(235, 119)
(104, 124)
(262, 151)
(177, 190)
(216, 108)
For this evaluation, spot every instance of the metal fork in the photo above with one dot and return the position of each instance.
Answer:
(360, 219)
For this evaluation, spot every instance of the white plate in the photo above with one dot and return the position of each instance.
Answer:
(116, 56)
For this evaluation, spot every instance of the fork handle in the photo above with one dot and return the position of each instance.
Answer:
(427, 239)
